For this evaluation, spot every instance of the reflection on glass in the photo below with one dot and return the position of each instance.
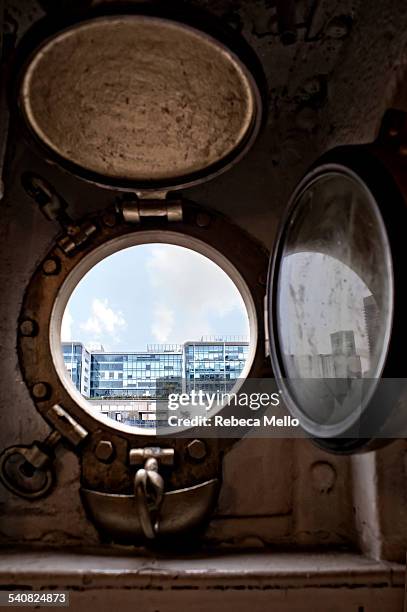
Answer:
(334, 297)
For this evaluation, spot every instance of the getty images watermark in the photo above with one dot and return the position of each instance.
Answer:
(199, 408)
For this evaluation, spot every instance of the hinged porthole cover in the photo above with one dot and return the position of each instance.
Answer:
(336, 294)
(147, 101)
(137, 100)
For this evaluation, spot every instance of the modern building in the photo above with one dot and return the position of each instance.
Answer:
(137, 375)
(214, 364)
(343, 363)
(129, 386)
(372, 323)
(77, 360)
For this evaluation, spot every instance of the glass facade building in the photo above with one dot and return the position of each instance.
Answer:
(78, 362)
(213, 365)
(128, 386)
(137, 375)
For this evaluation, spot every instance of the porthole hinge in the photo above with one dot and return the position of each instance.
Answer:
(54, 208)
(135, 211)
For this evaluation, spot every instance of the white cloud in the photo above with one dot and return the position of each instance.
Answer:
(103, 320)
(163, 323)
(66, 327)
(189, 291)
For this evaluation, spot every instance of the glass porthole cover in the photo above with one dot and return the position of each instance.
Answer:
(331, 296)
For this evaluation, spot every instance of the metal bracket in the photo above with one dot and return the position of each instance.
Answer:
(27, 471)
(134, 211)
(54, 208)
(66, 425)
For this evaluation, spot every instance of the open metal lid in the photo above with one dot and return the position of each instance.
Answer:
(136, 101)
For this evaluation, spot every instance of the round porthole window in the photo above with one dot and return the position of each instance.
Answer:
(135, 325)
(335, 326)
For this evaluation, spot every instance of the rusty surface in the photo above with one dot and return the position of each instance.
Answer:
(38, 365)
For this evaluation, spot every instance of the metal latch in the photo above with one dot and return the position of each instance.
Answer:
(66, 425)
(149, 485)
(28, 471)
(54, 208)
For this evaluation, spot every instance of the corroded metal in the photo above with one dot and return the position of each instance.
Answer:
(140, 99)
(53, 207)
(66, 425)
(28, 471)
(36, 358)
(191, 486)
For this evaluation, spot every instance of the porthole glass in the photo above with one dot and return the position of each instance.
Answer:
(134, 324)
(333, 302)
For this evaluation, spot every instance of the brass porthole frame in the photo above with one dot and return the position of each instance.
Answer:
(37, 365)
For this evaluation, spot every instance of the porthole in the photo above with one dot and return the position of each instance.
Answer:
(143, 101)
(127, 373)
(336, 296)
(112, 454)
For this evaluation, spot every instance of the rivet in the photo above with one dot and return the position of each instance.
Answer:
(323, 476)
(104, 450)
(109, 219)
(203, 219)
(51, 266)
(197, 450)
(40, 390)
(28, 328)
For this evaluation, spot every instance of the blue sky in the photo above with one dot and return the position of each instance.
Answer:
(153, 293)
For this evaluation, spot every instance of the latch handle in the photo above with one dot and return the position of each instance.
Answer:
(149, 485)
(149, 492)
